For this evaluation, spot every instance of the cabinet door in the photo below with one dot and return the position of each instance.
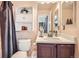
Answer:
(53, 51)
(46, 51)
(65, 51)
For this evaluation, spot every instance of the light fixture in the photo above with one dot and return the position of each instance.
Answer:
(53, 2)
(42, 2)
(68, 1)
(47, 2)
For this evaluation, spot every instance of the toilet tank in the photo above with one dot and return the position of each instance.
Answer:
(24, 44)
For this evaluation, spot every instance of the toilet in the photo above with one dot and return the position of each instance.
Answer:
(24, 45)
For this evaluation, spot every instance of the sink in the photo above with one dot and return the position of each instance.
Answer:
(51, 38)
(57, 40)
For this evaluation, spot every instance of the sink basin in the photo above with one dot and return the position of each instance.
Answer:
(56, 38)
(50, 38)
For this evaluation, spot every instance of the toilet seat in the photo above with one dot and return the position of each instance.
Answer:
(20, 54)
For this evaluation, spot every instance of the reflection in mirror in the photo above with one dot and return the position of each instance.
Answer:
(67, 13)
(43, 23)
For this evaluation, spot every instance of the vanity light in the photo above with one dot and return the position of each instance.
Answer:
(53, 2)
(68, 1)
(47, 2)
(42, 2)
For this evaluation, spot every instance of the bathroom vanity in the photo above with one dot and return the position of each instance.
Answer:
(55, 47)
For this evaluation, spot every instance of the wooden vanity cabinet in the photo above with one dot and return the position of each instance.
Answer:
(47, 50)
(65, 51)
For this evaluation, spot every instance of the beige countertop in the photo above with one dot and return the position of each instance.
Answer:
(57, 40)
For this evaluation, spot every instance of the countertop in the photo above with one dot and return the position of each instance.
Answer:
(56, 40)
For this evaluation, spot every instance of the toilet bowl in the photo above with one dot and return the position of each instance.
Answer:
(24, 45)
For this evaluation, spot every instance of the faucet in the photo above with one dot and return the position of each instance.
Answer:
(56, 33)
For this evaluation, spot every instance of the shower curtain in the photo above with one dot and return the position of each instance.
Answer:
(8, 34)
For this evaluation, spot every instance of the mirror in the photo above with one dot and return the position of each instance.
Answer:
(68, 13)
(44, 17)
(47, 17)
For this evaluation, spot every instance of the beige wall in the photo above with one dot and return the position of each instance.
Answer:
(77, 14)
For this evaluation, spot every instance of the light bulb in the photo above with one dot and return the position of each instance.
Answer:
(42, 2)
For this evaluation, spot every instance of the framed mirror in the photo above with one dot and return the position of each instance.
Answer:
(44, 17)
(68, 14)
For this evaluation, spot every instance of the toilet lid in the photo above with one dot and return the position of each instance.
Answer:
(20, 54)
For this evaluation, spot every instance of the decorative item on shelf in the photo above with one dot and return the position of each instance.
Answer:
(67, 21)
(24, 28)
(71, 21)
(24, 11)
